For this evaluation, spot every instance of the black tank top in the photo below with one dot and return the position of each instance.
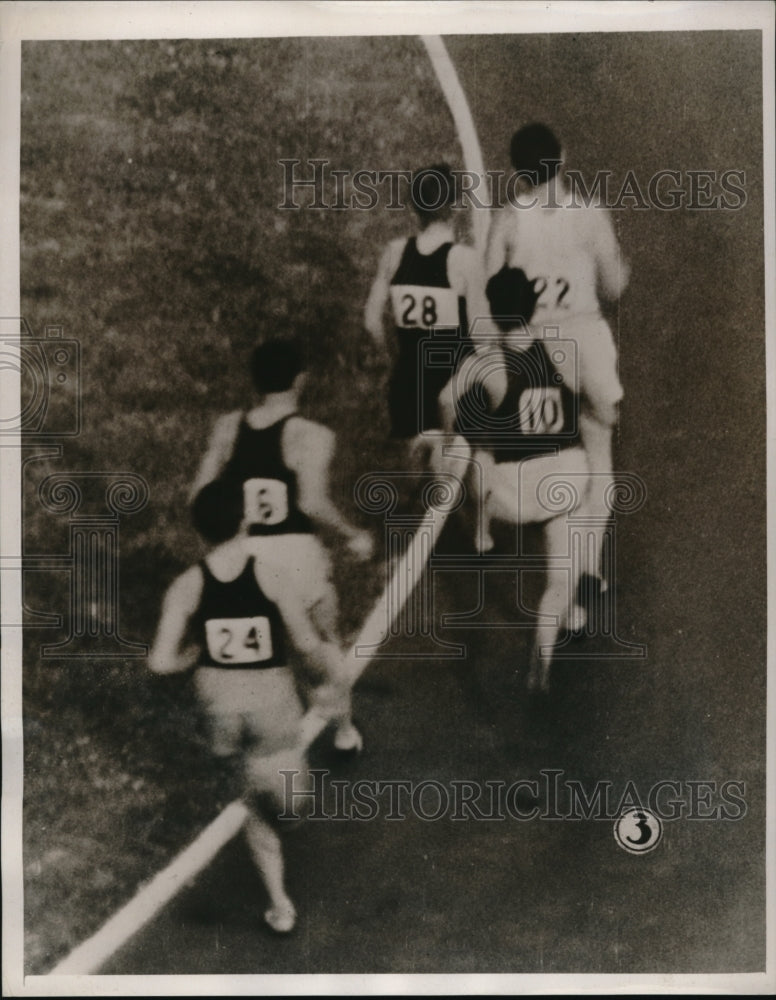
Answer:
(237, 624)
(269, 486)
(421, 295)
(539, 414)
(432, 335)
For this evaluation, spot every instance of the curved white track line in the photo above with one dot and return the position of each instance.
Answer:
(87, 957)
(464, 124)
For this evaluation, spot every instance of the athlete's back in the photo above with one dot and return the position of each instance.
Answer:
(435, 287)
(282, 460)
(570, 255)
(561, 250)
(567, 249)
(268, 478)
(428, 313)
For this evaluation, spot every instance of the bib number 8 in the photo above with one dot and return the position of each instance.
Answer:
(239, 640)
(265, 501)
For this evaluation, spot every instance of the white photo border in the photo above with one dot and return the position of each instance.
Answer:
(131, 20)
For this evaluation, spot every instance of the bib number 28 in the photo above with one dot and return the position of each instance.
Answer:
(424, 307)
(418, 311)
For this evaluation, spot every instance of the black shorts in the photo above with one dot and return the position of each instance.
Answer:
(413, 398)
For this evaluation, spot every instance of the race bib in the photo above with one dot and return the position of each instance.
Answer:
(541, 410)
(553, 294)
(239, 640)
(265, 501)
(415, 305)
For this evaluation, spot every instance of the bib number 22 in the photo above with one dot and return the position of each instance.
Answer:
(551, 292)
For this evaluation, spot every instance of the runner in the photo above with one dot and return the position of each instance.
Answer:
(570, 254)
(440, 313)
(283, 463)
(528, 460)
(243, 618)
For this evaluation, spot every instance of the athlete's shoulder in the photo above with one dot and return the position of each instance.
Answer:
(227, 560)
(227, 423)
(232, 417)
(463, 263)
(393, 253)
(186, 589)
(303, 438)
(298, 426)
(595, 220)
(464, 253)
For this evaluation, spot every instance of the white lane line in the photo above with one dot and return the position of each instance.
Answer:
(403, 580)
(87, 957)
(464, 124)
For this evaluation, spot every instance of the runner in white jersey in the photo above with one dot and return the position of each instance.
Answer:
(571, 255)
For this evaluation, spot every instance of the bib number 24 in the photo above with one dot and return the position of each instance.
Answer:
(239, 640)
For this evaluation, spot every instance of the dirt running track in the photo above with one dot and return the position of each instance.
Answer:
(541, 895)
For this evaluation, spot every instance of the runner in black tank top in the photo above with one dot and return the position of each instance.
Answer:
(539, 414)
(439, 308)
(269, 486)
(283, 470)
(238, 626)
(432, 333)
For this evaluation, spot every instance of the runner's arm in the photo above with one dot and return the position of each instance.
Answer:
(466, 274)
(377, 298)
(599, 382)
(448, 398)
(612, 269)
(381, 290)
(179, 604)
(467, 277)
(308, 449)
(218, 452)
(485, 369)
(498, 250)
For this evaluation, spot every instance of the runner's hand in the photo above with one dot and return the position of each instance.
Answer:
(361, 546)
